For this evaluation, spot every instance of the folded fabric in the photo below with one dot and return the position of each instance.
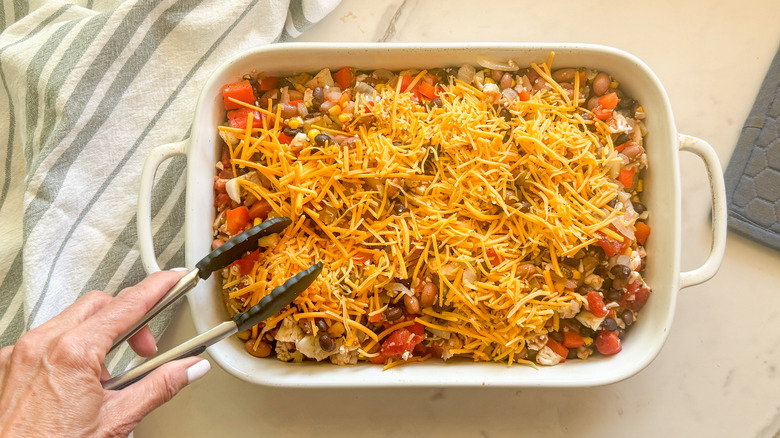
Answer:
(753, 173)
(87, 92)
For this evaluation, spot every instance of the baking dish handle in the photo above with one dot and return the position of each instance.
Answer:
(144, 221)
(718, 188)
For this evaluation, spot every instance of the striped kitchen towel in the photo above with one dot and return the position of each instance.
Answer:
(88, 89)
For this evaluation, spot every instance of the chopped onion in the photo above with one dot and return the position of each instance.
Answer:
(571, 284)
(466, 73)
(440, 333)
(366, 90)
(302, 111)
(510, 94)
(385, 75)
(627, 231)
(398, 287)
(508, 65)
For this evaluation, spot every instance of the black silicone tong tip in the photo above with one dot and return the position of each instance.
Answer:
(234, 248)
(278, 298)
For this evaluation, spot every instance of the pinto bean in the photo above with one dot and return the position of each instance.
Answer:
(289, 111)
(506, 81)
(429, 295)
(564, 75)
(263, 349)
(525, 270)
(601, 84)
(412, 304)
(633, 151)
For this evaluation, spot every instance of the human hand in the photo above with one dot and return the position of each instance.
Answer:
(50, 381)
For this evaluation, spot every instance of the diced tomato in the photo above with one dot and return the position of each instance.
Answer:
(525, 95)
(240, 91)
(417, 329)
(626, 177)
(246, 263)
(259, 209)
(238, 118)
(609, 101)
(221, 201)
(225, 156)
(284, 139)
(559, 349)
(642, 232)
(602, 113)
(377, 317)
(405, 82)
(596, 304)
(237, 219)
(635, 296)
(620, 148)
(362, 258)
(344, 99)
(427, 90)
(572, 339)
(494, 258)
(612, 246)
(608, 342)
(378, 360)
(268, 83)
(344, 77)
(400, 342)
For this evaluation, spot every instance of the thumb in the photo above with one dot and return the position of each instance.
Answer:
(127, 407)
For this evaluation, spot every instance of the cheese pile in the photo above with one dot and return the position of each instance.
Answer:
(483, 195)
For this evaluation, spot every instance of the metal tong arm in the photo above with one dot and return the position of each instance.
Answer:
(184, 285)
(193, 347)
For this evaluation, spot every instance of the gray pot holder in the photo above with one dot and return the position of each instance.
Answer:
(753, 174)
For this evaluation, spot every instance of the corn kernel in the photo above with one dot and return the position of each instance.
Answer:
(576, 275)
(300, 88)
(640, 185)
(334, 110)
(256, 222)
(308, 104)
(294, 123)
(312, 133)
(344, 118)
(613, 84)
(380, 87)
(588, 340)
(514, 82)
(489, 81)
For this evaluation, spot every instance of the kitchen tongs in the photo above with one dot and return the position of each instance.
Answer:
(221, 257)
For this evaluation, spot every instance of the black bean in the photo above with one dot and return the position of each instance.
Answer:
(574, 263)
(321, 325)
(628, 317)
(393, 313)
(317, 96)
(399, 207)
(609, 324)
(505, 114)
(322, 140)
(622, 138)
(572, 353)
(612, 294)
(584, 289)
(607, 284)
(524, 206)
(291, 132)
(442, 308)
(327, 343)
(436, 102)
(557, 336)
(620, 271)
(639, 207)
(587, 331)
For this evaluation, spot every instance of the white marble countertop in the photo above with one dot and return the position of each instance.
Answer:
(717, 374)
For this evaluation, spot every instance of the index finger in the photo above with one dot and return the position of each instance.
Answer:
(126, 309)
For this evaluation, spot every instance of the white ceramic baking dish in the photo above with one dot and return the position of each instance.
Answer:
(662, 196)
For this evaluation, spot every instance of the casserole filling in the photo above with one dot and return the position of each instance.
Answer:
(487, 212)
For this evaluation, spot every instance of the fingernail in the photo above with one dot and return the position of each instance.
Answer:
(198, 370)
(179, 269)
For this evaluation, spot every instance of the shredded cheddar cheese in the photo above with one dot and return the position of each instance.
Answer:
(455, 194)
